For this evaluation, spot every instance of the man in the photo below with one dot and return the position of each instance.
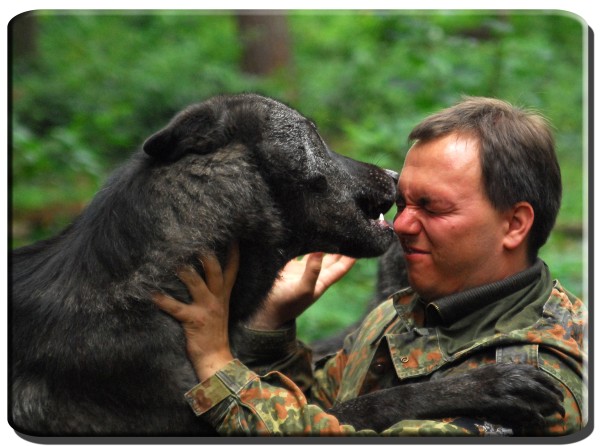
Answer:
(477, 197)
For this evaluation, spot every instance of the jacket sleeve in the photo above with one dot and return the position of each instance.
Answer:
(279, 350)
(236, 401)
(273, 389)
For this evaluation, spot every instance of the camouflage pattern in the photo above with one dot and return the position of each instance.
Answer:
(278, 392)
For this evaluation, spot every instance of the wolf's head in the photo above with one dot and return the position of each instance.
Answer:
(326, 201)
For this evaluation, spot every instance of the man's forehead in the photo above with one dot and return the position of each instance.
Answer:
(452, 151)
(441, 164)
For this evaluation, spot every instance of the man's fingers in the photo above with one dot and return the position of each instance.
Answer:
(330, 259)
(213, 272)
(216, 283)
(332, 273)
(194, 283)
(169, 305)
(314, 262)
(232, 267)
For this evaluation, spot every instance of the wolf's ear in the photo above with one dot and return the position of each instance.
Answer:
(175, 140)
(206, 127)
(195, 129)
(163, 145)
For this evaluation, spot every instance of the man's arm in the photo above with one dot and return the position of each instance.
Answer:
(280, 350)
(206, 320)
(237, 401)
(232, 397)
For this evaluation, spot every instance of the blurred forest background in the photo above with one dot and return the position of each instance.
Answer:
(89, 87)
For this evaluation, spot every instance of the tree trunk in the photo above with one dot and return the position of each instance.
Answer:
(23, 36)
(265, 43)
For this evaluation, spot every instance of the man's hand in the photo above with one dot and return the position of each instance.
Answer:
(300, 284)
(205, 320)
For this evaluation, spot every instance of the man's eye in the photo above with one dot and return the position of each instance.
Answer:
(401, 205)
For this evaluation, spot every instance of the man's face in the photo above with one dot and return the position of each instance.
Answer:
(451, 235)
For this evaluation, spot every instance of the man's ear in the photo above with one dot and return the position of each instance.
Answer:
(520, 219)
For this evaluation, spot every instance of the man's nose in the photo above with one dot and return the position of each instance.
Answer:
(406, 222)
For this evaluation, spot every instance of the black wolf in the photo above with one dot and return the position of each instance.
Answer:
(90, 354)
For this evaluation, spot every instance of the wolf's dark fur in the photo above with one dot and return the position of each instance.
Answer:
(90, 354)
(515, 395)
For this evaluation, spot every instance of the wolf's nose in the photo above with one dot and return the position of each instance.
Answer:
(392, 173)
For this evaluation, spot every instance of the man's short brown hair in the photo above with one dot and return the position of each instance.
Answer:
(517, 153)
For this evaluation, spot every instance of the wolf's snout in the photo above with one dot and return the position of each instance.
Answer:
(393, 174)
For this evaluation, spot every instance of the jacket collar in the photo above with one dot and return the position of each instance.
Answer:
(449, 309)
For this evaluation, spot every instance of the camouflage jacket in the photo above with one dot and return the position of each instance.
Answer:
(272, 389)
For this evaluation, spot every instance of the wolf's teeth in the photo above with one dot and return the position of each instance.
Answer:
(381, 217)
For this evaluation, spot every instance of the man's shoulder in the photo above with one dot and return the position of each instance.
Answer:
(394, 304)
(562, 298)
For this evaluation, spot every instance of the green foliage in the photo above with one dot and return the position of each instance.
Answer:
(100, 83)
(342, 305)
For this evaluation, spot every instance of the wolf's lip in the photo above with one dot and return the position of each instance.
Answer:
(374, 208)
(382, 222)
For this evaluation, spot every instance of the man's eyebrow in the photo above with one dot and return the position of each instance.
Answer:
(421, 201)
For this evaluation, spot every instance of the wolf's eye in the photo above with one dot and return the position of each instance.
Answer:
(318, 184)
